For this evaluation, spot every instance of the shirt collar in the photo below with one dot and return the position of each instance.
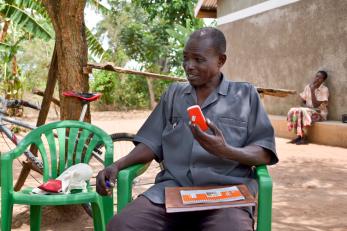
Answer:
(221, 89)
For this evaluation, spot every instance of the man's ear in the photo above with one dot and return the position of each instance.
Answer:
(222, 59)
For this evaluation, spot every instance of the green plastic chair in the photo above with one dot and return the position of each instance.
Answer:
(126, 177)
(60, 144)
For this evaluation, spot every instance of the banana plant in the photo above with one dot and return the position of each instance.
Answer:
(7, 54)
(32, 17)
(10, 82)
(25, 14)
(28, 19)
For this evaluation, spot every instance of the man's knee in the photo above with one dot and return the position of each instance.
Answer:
(232, 219)
(140, 214)
(112, 224)
(119, 222)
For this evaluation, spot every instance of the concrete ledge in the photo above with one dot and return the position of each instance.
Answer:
(333, 133)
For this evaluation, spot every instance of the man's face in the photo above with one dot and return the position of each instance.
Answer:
(201, 62)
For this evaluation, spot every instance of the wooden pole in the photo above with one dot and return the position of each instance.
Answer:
(275, 92)
(50, 86)
(112, 67)
(42, 93)
(46, 101)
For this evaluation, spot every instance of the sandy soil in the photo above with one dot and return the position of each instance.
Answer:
(310, 191)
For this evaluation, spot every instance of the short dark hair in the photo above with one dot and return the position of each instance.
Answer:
(217, 38)
(324, 73)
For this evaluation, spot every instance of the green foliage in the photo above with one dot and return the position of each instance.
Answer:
(153, 39)
(32, 17)
(160, 87)
(104, 82)
(24, 25)
(10, 50)
(94, 45)
(120, 91)
(145, 31)
(11, 85)
(10, 81)
(152, 33)
(29, 24)
(143, 43)
(98, 6)
(171, 11)
(34, 58)
(16, 11)
(131, 92)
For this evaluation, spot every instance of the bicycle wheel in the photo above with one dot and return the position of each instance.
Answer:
(123, 144)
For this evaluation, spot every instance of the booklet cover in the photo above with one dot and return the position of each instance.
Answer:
(223, 197)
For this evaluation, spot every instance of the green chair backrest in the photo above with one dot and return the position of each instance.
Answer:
(65, 143)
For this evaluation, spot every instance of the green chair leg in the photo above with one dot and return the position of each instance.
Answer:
(35, 217)
(107, 207)
(264, 199)
(98, 219)
(6, 215)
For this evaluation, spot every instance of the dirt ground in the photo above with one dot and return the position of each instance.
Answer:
(310, 191)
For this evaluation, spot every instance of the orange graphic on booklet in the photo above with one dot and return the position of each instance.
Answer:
(211, 195)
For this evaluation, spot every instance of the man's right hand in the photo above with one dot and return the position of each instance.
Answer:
(140, 154)
(109, 174)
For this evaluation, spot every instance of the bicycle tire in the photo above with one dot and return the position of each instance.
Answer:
(116, 138)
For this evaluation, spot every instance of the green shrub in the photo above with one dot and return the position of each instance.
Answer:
(124, 92)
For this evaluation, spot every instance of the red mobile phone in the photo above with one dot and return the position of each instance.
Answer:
(196, 117)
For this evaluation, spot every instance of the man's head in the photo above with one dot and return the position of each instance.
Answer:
(204, 55)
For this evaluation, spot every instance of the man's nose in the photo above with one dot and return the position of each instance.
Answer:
(190, 65)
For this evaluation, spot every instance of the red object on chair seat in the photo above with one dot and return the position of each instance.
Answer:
(83, 95)
(51, 186)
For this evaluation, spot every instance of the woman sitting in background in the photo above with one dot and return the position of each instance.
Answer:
(315, 100)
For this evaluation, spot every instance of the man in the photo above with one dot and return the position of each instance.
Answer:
(240, 136)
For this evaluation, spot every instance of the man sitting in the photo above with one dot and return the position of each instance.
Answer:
(240, 136)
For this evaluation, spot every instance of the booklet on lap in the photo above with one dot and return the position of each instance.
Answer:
(184, 199)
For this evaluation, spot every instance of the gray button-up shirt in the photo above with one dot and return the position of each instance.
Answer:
(234, 107)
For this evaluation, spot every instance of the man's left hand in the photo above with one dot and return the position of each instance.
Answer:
(213, 143)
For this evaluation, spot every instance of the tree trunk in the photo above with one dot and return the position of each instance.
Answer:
(72, 53)
(151, 93)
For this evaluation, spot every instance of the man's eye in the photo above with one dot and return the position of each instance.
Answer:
(199, 60)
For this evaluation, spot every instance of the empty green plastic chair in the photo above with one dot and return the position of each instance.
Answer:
(126, 177)
(61, 145)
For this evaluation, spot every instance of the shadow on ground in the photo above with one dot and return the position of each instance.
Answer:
(309, 194)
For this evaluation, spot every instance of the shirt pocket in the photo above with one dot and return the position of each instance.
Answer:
(174, 130)
(176, 143)
(234, 130)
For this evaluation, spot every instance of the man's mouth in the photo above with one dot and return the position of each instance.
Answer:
(190, 76)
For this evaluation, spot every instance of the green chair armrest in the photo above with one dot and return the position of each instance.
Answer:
(125, 183)
(264, 198)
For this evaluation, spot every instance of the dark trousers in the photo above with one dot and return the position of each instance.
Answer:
(142, 214)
